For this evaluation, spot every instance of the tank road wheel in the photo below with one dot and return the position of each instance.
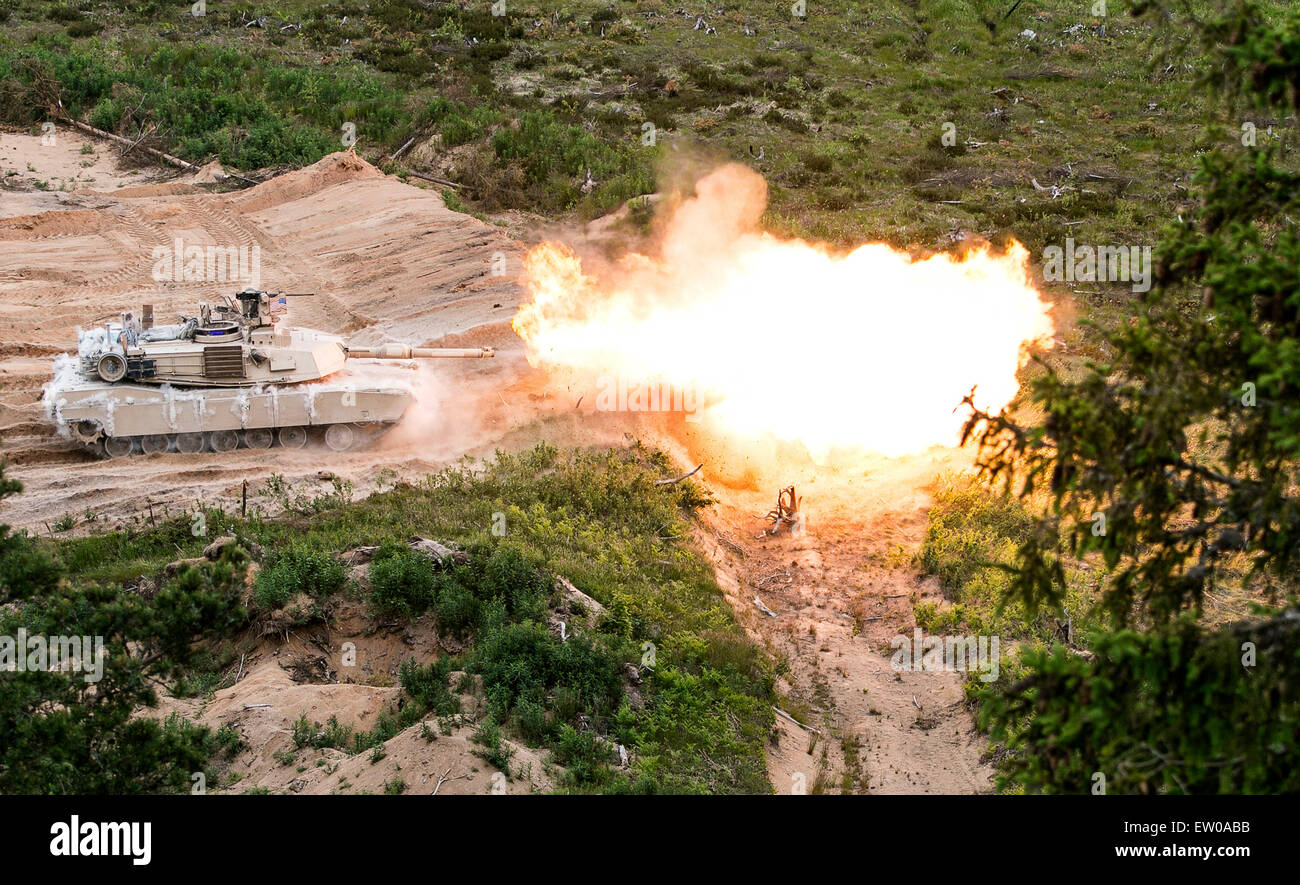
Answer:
(155, 443)
(111, 367)
(189, 443)
(293, 437)
(223, 440)
(258, 438)
(117, 446)
(87, 431)
(340, 437)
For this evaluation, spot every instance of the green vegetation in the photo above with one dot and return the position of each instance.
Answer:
(428, 689)
(915, 122)
(312, 734)
(65, 733)
(1175, 710)
(970, 546)
(402, 583)
(488, 737)
(847, 107)
(291, 571)
(1173, 464)
(695, 723)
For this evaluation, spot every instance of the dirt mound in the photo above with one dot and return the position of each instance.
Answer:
(169, 189)
(67, 223)
(264, 706)
(355, 706)
(210, 174)
(325, 173)
(291, 682)
(839, 591)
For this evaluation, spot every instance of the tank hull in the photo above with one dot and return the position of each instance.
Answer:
(152, 418)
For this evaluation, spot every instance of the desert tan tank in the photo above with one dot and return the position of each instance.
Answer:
(233, 376)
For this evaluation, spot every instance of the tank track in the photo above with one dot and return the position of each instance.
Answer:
(343, 437)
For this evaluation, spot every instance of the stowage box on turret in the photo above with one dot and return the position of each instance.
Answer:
(233, 376)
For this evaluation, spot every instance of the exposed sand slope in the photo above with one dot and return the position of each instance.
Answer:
(266, 703)
(388, 261)
(841, 591)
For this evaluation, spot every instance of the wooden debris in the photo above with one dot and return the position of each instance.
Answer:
(442, 181)
(784, 573)
(784, 715)
(668, 482)
(579, 604)
(729, 544)
(126, 143)
(786, 511)
(401, 150)
(764, 609)
(443, 779)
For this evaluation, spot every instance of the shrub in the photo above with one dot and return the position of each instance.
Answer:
(458, 610)
(585, 756)
(428, 686)
(544, 144)
(818, 163)
(63, 13)
(297, 570)
(210, 99)
(533, 722)
(86, 28)
(525, 660)
(312, 734)
(405, 584)
(494, 752)
(526, 590)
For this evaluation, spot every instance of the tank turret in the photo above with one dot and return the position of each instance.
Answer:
(232, 346)
(235, 375)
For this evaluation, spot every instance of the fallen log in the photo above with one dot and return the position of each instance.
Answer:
(441, 181)
(127, 143)
(401, 150)
(131, 145)
(784, 715)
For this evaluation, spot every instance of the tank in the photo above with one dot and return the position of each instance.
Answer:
(235, 376)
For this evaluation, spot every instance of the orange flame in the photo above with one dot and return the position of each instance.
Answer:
(869, 350)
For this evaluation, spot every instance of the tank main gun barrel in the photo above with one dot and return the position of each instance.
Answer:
(402, 352)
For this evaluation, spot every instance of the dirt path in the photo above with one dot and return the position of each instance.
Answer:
(840, 591)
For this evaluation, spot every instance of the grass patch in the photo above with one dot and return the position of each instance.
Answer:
(972, 535)
(594, 516)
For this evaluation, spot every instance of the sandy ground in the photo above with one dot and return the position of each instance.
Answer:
(281, 678)
(840, 591)
(389, 261)
(39, 174)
